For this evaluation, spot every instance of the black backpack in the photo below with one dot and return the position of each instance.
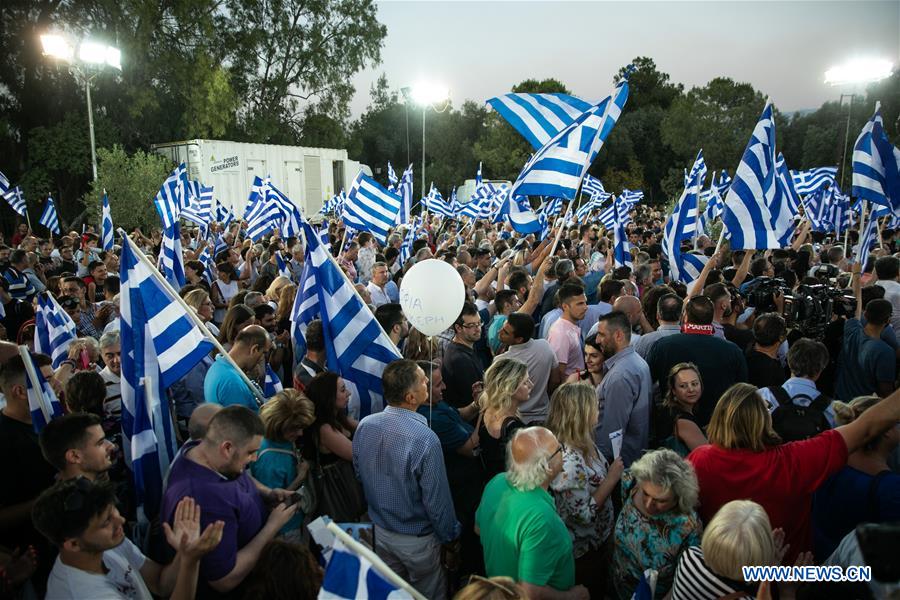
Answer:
(793, 422)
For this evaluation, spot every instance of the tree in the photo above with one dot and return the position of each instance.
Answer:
(648, 86)
(132, 181)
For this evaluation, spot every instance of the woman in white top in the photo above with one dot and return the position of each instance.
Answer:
(222, 291)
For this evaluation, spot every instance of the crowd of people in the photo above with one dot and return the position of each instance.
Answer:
(583, 427)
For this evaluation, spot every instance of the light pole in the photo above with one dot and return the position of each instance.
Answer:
(854, 73)
(429, 94)
(86, 64)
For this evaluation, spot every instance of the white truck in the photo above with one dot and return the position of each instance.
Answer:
(308, 176)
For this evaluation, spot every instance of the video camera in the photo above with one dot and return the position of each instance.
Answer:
(808, 310)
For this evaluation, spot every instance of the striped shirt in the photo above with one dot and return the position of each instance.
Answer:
(20, 287)
(112, 404)
(695, 581)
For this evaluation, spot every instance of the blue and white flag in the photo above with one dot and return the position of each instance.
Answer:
(223, 214)
(629, 198)
(405, 189)
(370, 207)
(350, 576)
(697, 176)
(434, 202)
(220, 246)
(272, 384)
(334, 205)
(49, 218)
(406, 246)
(809, 181)
(817, 209)
(200, 210)
(54, 329)
(621, 246)
(593, 187)
(4, 184)
(787, 184)
(107, 238)
(173, 197)
(478, 178)
(556, 170)
(209, 267)
(755, 193)
(355, 344)
(839, 213)
(551, 206)
(291, 218)
(42, 401)
(680, 226)
(393, 180)
(867, 238)
(160, 345)
(16, 200)
(586, 208)
(520, 215)
(305, 309)
(539, 117)
(283, 270)
(171, 257)
(261, 215)
(876, 165)
(715, 200)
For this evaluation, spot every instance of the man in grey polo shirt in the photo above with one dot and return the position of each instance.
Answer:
(624, 393)
(668, 313)
(541, 360)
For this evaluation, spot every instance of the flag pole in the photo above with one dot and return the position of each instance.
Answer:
(154, 272)
(376, 561)
(560, 229)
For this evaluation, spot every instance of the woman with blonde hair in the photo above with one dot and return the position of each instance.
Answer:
(745, 460)
(278, 463)
(864, 491)
(676, 426)
(506, 386)
(658, 521)
(200, 301)
(739, 535)
(491, 588)
(582, 489)
(279, 282)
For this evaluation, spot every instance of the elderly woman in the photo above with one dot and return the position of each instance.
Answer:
(202, 304)
(745, 460)
(865, 491)
(582, 490)
(676, 427)
(657, 522)
(506, 386)
(739, 535)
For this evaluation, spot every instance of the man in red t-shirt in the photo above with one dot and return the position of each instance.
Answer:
(745, 460)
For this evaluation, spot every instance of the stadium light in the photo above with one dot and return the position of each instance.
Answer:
(94, 56)
(859, 70)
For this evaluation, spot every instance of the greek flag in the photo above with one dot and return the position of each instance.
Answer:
(290, 215)
(171, 257)
(478, 179)
(335, 204)
(16, 200)
(681, 225)
(49, 219)
(200, 209)
(787, 184)
(551, 206)
(755, 192)
(221, 246)
(520, 215)
(209, 271)
(160, 345)
(54, 329)
(406, 246)
(370, 207)
(405, 189)
(283, 270)
(261, 216)
(173, 197)
(839, 211)
(486, 198)
(593, 187)
(349, 576)
(867, 239)
(355, 344)
(876, 165)
(714, 198)
(630, 198)
(42, 401)
(393, 180)
(608, 215)
(272, 384)
(305, 309)
(785, 205)
(106, 225)
(817, 209)
(556, 170)
(434, 202)
(223, 214)
(539, 117)
(4, 184)
(621, 248)
(697, 175)
(591, 205)
(807, 182)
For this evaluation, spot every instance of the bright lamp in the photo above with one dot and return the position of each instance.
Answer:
(860, 70)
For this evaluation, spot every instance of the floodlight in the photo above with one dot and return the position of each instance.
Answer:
(860, 70)
(425, 93)
(57, 47)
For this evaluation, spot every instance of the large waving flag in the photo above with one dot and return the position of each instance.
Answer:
(876, 165)
(681, 226)
(42, 401)
(171, 257)
(350, 576)
(223, 214)
(405, 189)
(556, 170)
(807, 182)
(435, 203)
(16, 200)
(160, 345)
(49, 218)
(261, 216)
(335, 204)
(173, 197)
(200, 210)
(867, 239)
(370, 207)
(754, 203)
(593, 187)
(520, 215)
(107, 238)
(621, 246)
(305, 309)
(539, 117)
(355, 344)
(290, 215)
(54, 329)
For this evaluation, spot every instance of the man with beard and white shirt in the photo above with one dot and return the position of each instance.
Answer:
(76, 445)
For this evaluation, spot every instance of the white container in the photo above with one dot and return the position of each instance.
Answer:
(308, 176)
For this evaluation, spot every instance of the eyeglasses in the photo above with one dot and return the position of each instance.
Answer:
(471, 325)
(558, 450)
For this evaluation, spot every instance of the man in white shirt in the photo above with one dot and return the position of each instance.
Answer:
(376, 286)
(887, 269)
(95, 558)
(111, 353)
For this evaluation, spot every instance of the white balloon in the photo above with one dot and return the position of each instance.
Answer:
(432, 296)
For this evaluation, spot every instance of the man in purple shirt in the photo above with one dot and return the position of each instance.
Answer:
(213, 471)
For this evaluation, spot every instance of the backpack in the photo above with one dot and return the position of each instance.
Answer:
(793, 422)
